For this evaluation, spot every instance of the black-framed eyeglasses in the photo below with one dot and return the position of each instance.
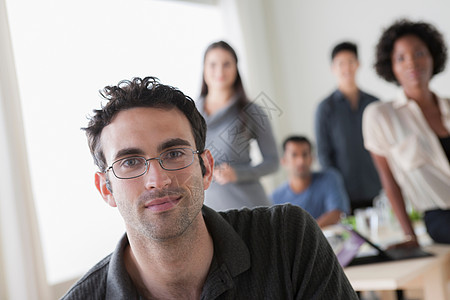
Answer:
(170, 160)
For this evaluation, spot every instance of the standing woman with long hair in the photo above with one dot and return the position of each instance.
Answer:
(409, 137)
(232, 123)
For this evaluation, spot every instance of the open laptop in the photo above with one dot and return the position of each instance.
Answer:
(350, 242)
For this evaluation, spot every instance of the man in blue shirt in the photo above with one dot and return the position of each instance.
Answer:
(338, 127)
(322, 194)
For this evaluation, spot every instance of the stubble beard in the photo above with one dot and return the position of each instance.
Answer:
(174, 223)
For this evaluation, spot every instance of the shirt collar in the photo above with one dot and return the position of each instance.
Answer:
(402, 100)
(339, 96)
(230, 251)
(229, 248)
(119, 284)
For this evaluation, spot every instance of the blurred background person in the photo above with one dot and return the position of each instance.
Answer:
(338, 128)
(408, 137)
(233, 121)
(321, 194)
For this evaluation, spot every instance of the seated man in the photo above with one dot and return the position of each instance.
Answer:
(322, 194)
(148, 142)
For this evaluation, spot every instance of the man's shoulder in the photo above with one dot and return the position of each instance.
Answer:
(92, 283)
(269, 233)
(323, 174)
(264, 212)
(327, 176)
(327, 105)
(328, 100)
(268, 215)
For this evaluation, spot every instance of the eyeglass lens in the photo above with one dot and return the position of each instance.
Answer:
(171, 160)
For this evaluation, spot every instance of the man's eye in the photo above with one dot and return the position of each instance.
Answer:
(174, 154)
(131, 162)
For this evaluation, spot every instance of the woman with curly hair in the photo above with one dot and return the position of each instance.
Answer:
(409, 137)
(232, 123)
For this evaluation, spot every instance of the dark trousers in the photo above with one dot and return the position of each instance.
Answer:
(438, 225)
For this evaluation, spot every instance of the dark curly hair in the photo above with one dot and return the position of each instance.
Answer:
(432, 38)
(147, 92)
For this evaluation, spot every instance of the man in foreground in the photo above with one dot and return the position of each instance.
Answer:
(322, 194)
(148, 142)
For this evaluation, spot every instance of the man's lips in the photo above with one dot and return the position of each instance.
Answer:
(162, 204)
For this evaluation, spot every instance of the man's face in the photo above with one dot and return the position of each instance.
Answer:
(160, 204)
(344, 67)
(297, 159)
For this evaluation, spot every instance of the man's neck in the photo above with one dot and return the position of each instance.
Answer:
(171, 269)
(300, 184)
(351, 93)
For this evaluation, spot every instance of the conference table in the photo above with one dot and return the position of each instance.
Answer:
(430, 274)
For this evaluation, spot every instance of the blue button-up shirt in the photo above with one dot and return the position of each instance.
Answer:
(340, 144)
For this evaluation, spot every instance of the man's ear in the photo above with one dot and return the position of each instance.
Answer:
(208, 161)
(103, 186)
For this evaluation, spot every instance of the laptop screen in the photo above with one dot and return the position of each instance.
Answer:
(347, 242)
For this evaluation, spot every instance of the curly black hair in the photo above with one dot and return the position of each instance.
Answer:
(432, 38)
(146, 92)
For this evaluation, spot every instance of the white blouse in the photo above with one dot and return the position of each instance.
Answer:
(399, 132)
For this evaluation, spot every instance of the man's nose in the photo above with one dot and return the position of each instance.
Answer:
(156, 176)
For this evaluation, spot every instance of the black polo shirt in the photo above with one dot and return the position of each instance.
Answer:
(263, 253)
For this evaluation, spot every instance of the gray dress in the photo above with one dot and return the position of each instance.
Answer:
(228, 138)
